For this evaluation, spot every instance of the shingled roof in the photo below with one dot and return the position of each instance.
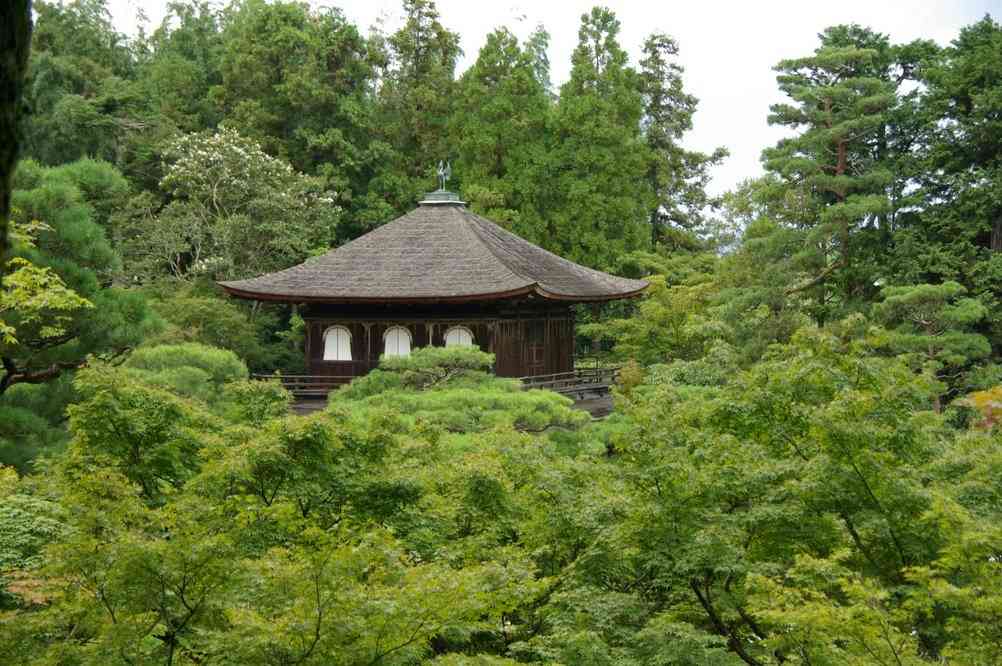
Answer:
(439, 252)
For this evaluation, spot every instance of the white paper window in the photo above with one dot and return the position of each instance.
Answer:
(337, 344)
(459, 336)
(397, 341)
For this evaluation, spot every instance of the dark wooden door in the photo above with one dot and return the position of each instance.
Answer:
(535, 347)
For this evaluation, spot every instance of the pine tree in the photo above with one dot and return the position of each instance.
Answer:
(932, 326)
(953, 229)
(840, 100)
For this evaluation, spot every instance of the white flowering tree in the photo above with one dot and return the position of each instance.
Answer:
(233, 211)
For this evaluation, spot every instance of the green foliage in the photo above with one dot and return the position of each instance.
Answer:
(678, 177)
(699, 305)
(465, 398)
(255, 402)
(182, 67)
(35, 303)
(264, 338)
(785, 479)
(952, 231)
(141, 430)
(416, 97)
(299, 82)
(597, 130)
(250, 535)
(29, 522)
(26, 429)
(188, 369)
(76, 87)
(101, 186)
(499, 130)
(670, 323)
(841, 95)
(430, 365)
(932, 325)
(817, 449)
(57, 306)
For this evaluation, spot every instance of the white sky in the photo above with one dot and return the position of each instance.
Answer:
(728, 48)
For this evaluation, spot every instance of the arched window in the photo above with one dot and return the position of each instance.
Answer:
(459, 336)
(397, 341)
(337, 344)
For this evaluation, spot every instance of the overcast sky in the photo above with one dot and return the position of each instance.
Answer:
(728, 49)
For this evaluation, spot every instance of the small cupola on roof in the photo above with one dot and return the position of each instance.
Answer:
(441, 196)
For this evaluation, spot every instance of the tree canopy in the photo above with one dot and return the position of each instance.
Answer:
(802, 464)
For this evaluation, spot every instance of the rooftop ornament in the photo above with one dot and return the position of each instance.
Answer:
(442, 195)
(444, 174)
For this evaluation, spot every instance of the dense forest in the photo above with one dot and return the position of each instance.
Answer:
(803, 465)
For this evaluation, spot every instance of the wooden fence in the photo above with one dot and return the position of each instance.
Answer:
(577, 381)
(581, 381)
(308, 386)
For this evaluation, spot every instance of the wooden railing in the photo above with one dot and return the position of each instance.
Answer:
(597, 379)
(580, 380)
(308, 386)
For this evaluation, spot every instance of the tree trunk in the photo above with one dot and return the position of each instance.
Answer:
(15, 40)
(840, 169)
(996, 240)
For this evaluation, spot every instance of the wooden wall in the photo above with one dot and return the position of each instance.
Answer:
(527, 343)
(533, 346)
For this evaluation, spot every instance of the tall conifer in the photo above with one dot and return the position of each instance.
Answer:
(602, 199)
(416, 96)
(678, 177)
(499, 132)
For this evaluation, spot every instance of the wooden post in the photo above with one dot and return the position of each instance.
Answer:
(596, 340)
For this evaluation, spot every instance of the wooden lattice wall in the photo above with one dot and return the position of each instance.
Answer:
(529, 343)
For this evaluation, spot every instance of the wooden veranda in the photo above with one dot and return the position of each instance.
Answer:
(589, 387)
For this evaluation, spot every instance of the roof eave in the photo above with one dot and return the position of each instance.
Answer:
(304, 298)
(512, 293)
(591, 298)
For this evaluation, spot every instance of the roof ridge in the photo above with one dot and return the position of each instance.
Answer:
(475, 230)
(485, 225)
(491, 224)
(490, 247)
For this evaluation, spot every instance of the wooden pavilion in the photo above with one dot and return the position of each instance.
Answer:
(439, 275)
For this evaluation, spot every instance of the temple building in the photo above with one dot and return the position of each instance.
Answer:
(439, 275)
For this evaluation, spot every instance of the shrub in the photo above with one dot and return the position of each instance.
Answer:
(190, 369)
